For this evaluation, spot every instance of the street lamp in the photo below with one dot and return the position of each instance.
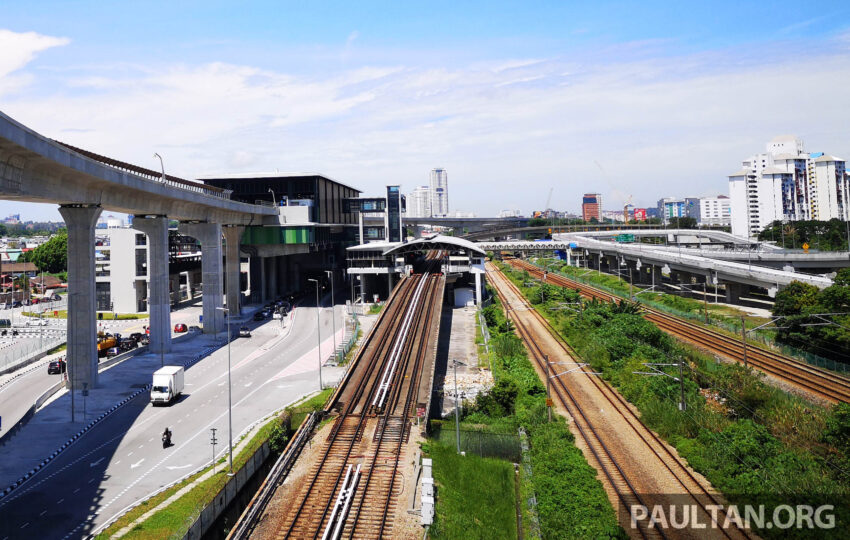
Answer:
(161, 166)
(229, 397)
(318, 329)
(274, 203)
(333, 313)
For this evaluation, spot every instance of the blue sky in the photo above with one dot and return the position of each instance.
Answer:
(647, 99)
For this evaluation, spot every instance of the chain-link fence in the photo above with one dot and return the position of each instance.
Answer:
(482, 442)
(21, 351)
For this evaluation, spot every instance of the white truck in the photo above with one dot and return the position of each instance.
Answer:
(167, 384)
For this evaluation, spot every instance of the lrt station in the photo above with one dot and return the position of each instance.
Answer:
(386, 254)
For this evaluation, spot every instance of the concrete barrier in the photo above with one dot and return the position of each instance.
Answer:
(227, 494)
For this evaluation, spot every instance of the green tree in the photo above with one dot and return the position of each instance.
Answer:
(795, 299)
(52, 256)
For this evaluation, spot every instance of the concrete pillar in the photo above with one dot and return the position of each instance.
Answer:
(478, 289)
(82, 327)
(733, 293)
(209, 235)
(159, 297)
(232, 237)
(271, 277)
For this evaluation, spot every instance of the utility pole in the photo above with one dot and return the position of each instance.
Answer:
(682, 404)
(548, 388)
(705, 301)
(333, 312)
(229, 395)
(744, 339)
(318, 330)
(457, 411)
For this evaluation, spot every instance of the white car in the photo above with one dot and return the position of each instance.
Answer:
(36, 322)
(277, 315)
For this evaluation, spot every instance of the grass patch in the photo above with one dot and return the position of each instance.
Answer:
(475, 496)
(107, 315)
(58, 348)
(181, 513)
(374, 309)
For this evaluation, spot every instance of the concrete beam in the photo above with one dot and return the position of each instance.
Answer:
(209, 235)
(232, 236)
(159, 297)
(81, 357)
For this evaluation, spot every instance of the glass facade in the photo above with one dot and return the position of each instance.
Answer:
(393, 214)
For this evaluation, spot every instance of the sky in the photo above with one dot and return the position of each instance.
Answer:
(635, 100)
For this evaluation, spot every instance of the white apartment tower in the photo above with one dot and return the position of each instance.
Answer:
(419, 202)
(786, 183)
(439, 193)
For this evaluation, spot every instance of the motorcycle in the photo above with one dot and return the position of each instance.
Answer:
(166, 438)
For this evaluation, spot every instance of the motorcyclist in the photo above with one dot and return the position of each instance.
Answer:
(166, 438)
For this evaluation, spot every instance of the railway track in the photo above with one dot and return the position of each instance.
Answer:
(825, 384)
(351, 490)
(616, 471)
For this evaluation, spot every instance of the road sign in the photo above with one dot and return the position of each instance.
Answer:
(549, 402)
(806, 247)
(625, 238)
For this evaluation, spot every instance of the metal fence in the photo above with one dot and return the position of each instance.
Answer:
(21, 352)
(502, 445)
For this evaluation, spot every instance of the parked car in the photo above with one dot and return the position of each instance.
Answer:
(136, 336)
(180, 328)
(35, 322)
(194, 328)
(56, 366)
(113, 351)
(277, 315)
(244, 331)
(259, 316)
(16, 303)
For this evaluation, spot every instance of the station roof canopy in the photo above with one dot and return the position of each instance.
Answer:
(448, 243)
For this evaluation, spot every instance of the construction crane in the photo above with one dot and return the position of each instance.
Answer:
(548, 199)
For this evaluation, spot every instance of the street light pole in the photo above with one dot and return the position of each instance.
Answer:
(318, 329)
(161, 165)
(273, 201)
(457, 410)
(333, 312)
(229, 396)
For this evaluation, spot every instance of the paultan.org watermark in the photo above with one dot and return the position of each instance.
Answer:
(717, 516)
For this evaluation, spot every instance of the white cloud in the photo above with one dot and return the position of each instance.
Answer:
(18, 49)
(660, 126)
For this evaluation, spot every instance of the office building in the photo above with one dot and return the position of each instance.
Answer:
(709, 211)
(439, 193)
(591, 207)
(670, 207)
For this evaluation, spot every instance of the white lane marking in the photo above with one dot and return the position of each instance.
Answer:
(118, 462)
(178, 467)
(149, 440)
(134, 465)
(141, 446)
(76, 490)
(94, 463)
(25, 525)
(90, 481)
(249, 384)
(42, 513)
(130, 454)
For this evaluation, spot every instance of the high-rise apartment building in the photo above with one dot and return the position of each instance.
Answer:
(786, 183)
(439, 193)
(591, 207)
(419, 202)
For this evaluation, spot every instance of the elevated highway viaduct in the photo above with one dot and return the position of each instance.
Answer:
(34, 168)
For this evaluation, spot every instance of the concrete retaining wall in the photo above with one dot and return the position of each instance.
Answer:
(227, 494)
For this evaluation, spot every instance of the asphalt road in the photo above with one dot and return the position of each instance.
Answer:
(19, 390)
(121, 460)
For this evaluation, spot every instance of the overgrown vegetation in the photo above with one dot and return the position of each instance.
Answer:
(819, 235)
(571, 502)
(476, 496)
(755, 443)
(805, 327)
(374, 309)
